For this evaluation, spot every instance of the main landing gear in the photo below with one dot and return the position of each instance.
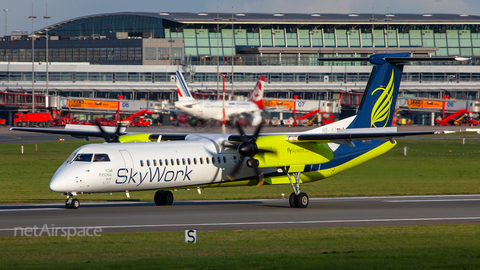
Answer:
(72, 203)
(297, 199)
(163, 197)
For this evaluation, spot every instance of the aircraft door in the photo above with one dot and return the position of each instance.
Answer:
(127, 160)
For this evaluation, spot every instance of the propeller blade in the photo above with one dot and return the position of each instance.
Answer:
(237, 167)
(248, 148)
(117, 133)
(257, 131)
(242, 133)
(259, 174)
(105, 134)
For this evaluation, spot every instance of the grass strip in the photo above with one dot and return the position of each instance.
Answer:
(391, 247)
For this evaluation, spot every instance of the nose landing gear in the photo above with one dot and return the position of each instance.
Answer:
(72, 203)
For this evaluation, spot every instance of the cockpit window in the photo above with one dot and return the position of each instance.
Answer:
(83, 157)
(101, 158)
(70, 158)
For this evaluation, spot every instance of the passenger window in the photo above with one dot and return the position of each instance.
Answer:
(188, 161)
(141, 163)
(183, 161)
(83, 157)
(101, 158)
(160, 162)
(235, 159)
(207, 160)
(172, 162)
(148, 162)
(195, 161)
(178, 161)
(201, 161)
(224, 160)
(155, 163)
(166, 162)
(213, 160)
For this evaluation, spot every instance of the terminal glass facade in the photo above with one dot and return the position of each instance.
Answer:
(105, 25)
(205, 40)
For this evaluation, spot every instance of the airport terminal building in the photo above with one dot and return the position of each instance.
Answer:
(136, 54)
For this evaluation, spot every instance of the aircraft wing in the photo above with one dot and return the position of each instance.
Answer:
(92, 131)
(352, 136)
(74, 133)
(347, 135)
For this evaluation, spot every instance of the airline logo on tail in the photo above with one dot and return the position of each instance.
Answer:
(382, 107)
(378, 103)
(257, 95)
(182, 88)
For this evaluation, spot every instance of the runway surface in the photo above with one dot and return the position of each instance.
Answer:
(114, 217)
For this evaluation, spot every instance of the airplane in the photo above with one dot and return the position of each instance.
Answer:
(155, 161)
(213, 109)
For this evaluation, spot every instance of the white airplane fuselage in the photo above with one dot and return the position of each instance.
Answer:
(213, 109)
(150, 165)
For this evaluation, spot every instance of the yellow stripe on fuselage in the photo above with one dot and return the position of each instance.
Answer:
(322, 174)
(308, 176)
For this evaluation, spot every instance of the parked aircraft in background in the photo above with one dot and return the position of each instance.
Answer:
(156, 161)
(205, 110)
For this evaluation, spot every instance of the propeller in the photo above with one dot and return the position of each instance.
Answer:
(108, 136)
(248, 148)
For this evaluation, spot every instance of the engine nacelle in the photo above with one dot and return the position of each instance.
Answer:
(281, 153)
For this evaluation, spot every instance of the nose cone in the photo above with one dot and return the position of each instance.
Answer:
(58, 183)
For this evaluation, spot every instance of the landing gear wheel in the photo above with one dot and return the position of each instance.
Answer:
(163, 197)
(71, 203)
(75, 204)
(302, 200)
(292, 200)
(158, 197)
(167, 197)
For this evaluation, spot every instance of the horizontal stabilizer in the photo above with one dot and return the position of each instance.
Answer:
(374, 134)
(394, 59)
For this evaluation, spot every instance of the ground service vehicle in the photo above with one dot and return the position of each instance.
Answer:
(137, 119)
(32, 119)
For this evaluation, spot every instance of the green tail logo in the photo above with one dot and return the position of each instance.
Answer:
(381, 109)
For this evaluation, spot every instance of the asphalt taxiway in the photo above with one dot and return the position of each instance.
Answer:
(114, 217)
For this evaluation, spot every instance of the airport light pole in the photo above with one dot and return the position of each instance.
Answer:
(233, 52)
(33, 62)
(218, 53)
(6, 21)
(223, 100)
(46, 17)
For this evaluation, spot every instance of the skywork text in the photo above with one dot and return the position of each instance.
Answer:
(128, 176)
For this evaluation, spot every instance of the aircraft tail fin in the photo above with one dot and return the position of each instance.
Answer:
(182, 88)
(377, 107)
(257, 94)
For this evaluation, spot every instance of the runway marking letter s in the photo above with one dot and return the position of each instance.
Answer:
(190, 236)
